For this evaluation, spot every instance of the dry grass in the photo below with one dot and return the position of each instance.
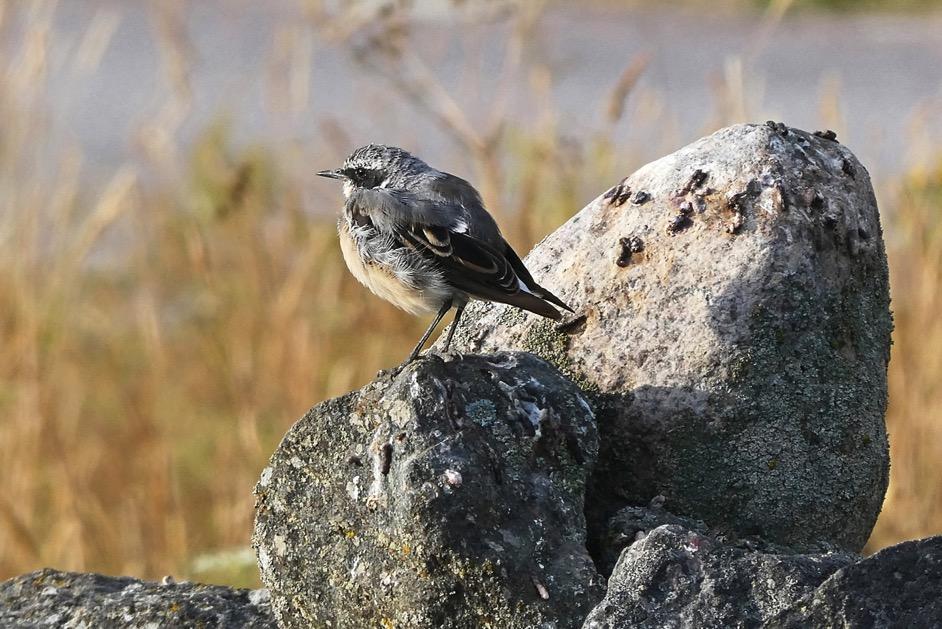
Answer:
(913, 227)
(160, 332)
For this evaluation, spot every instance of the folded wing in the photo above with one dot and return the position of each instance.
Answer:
(476, 261)
(481, 271)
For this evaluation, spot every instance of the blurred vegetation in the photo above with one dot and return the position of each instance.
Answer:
(843, 6)
(160, 332)
(913, 230)
(888, 6)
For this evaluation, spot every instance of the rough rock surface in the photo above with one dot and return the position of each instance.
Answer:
(675, 577)
(900, 586)
(49, 598)
(733, 326)
(448, 496)
(630, 524)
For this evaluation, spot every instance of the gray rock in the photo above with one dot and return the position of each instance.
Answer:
(448, 496)
(49, 598)
(630, 524)
(675, 577)
(900, 586)
(734, 326)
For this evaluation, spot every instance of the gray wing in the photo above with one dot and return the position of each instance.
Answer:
(447, 189)
(448, 225)
(436, 199)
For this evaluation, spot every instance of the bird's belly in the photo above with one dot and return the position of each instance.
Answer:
(416, 295)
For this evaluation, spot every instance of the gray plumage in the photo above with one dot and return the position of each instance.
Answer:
(422, 239)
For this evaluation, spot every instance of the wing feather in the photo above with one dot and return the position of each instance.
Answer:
(479, 270)
(450, 226)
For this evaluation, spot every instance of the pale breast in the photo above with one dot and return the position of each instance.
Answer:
(407, 286)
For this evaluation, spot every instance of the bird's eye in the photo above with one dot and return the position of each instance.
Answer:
(362, 177)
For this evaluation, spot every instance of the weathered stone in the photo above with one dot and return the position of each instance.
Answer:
(448, 496)
(734, 327)
(49, 598)
(630, 524)
(675, 577)
(900, 586)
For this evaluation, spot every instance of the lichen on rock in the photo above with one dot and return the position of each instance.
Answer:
(677, 577)
(50, 598)
(448, 496)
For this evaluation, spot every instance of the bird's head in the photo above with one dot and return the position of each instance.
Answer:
(376, 166)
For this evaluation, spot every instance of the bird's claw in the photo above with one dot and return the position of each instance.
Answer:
(390, 373)
(393, 372)
(449, 354)
(443, 356)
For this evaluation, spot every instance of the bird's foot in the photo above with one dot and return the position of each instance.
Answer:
(430, 354)
(384, 373)
(392, 372)
(448, 354)
(443, 356)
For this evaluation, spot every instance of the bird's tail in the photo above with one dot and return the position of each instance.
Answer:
(541, 292)
(538, 294)
(534, 303)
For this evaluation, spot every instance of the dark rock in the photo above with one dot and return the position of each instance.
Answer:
(740, 371)
(49, 598)
(675, 577)
(900, 586)
(827, 135)
(641, 197)
(628, 246)
(617, 195)
(629, 525)
(449, 496)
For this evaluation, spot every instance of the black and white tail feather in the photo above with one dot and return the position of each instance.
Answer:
(422, 239)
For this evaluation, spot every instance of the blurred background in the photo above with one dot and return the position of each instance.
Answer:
(172, 296)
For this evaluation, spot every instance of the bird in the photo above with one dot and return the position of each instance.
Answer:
(422, 239)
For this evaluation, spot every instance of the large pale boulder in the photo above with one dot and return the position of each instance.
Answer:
(733, 328)
(448, 496)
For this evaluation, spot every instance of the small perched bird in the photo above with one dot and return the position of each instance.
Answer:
(421, 239)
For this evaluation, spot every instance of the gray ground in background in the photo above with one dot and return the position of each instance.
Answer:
(886, 68)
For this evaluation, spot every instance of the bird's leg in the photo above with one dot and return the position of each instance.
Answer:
(418, 348)
(454, 326)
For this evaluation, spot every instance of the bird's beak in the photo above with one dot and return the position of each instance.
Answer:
(330, 174)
